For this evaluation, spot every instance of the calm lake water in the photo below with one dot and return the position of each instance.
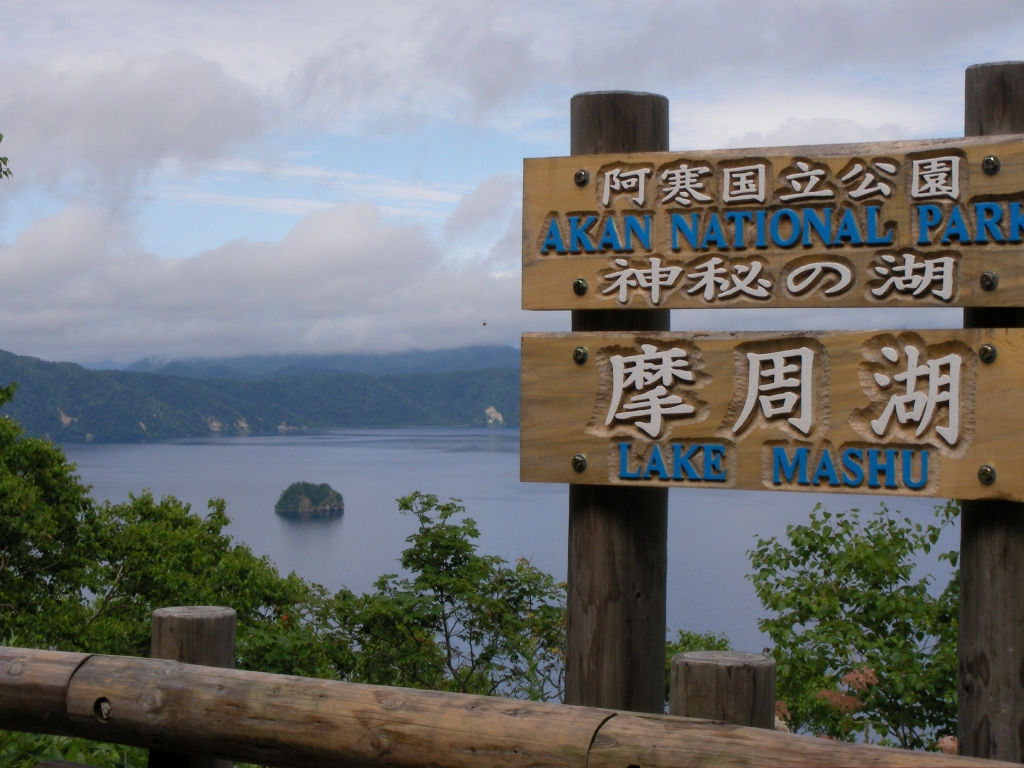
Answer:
(709, 531)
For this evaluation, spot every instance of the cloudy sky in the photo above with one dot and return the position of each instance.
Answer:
(223, 178)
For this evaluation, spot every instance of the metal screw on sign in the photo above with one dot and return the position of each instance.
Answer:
(987, 353)
(580, 355)
(581, 177)
(987, 474)
(579, 286)
(102, 710)
(990, 165)
(989, 281)
(579, 462)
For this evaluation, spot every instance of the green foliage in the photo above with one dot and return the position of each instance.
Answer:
(863, 648)
(66, 402)
(4, 170)
(43, 554)
(462, 622)
(26, 750)
(80, 576)
(687, 641)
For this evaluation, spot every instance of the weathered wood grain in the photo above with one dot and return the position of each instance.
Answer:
(991, 643)
(278, 720)
(549, 189)
(32, 688)
(618, 538)
(197, 634)
(736, 688)
(564, 406)
(292, 721)
(652, 740)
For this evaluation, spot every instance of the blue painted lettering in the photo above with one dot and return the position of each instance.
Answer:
(871, 211)
(714, 232)
(928, 217)
(1016, 223)
(713, 462)
(852, 457)
(759, 219)
(821, 224)
(578, 237)
(655, 462)
(781, 465)
(988, 215)
(847, 229)
(553, 239)
(642, 233)
(736, 218)
(955, 227)
(888, 467)
(825, 470)
(680, 227)
(609, 237)
(624, 472)
(681, 461)
(907, 460)
(794, 227)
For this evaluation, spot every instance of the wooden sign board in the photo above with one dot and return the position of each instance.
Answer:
(905, 224)
(889, 412)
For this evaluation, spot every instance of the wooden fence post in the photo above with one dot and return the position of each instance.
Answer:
(738, 688)
(199, 634)
(615, 643)
(991, 644)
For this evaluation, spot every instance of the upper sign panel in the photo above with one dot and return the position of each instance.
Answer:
(899, 224)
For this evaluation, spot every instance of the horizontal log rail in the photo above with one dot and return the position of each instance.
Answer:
(279, 720)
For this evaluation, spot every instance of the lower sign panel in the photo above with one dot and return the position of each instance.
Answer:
(926, 413)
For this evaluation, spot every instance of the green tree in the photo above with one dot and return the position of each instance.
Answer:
(43, 557)
(863, 647)
(462, 621)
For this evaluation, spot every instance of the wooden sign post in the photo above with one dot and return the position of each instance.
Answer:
(991, 644)
(618, 537)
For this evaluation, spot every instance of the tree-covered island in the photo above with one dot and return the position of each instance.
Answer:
(310, 501)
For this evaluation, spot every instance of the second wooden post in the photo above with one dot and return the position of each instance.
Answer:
(199, 634)
(615, 644)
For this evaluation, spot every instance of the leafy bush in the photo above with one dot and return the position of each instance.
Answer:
(863, 648)
(463, 622)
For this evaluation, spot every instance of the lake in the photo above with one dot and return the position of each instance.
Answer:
(709, 530)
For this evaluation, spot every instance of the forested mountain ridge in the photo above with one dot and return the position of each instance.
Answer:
(273, 366)
(66, 402)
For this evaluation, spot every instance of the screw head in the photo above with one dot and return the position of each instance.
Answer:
(580, 355)
(581, 177)
(987, 353)
(989, 281)
(579, 286)
(990, 165)
(579, 462)
(101, 709)
(986, 474)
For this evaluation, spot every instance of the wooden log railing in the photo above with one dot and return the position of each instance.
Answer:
(279, 720)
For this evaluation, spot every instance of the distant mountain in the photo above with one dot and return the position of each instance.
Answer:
(67, 402)
(274, 366)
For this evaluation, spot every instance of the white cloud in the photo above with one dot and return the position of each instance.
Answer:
(491, 200)
(819, 130)
(104, 126)
(77, 286)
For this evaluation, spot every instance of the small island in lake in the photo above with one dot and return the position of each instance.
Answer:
(309, 501)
